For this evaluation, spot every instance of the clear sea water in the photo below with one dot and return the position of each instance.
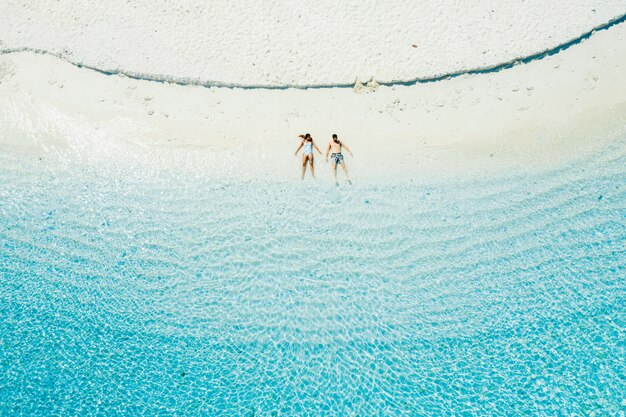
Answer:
(129, 294)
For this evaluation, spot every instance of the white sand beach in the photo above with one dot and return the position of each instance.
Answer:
(537, 113)
(160, 254)
(281, 43)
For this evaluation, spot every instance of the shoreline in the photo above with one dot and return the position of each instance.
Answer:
(539, 114)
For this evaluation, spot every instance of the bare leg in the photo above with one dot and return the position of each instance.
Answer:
(304, 159)
(335, 172)
(312, 166)
(343, 165)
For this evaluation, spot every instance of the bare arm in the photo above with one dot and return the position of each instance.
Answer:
(316, 148)
(347, 149)
(327, 152)
(299, 147)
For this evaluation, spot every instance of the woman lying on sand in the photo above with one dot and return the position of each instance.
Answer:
(307, 144)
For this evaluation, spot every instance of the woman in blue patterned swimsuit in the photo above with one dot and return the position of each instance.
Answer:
(307, 144)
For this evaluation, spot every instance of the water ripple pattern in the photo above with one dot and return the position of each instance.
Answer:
(143, 295)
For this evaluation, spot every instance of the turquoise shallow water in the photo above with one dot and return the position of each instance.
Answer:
(124, 293)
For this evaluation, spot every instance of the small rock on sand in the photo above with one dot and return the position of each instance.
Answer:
(372, 86)
(358, 87)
